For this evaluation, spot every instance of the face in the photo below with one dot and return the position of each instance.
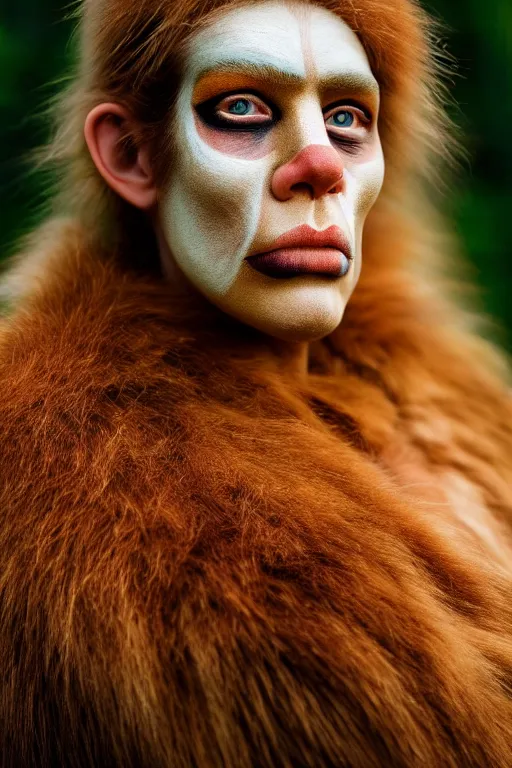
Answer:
(277, 163)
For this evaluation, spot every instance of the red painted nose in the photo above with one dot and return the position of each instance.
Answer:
(317, 168)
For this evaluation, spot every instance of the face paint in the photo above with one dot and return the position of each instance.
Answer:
(278, 161)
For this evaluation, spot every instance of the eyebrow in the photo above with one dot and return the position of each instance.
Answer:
(349, 80)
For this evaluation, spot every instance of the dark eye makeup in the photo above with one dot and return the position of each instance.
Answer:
(208, 111)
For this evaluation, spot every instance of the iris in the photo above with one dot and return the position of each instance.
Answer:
(343, 119)
(240, 107)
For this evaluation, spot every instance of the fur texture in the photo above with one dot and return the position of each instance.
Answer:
(205, 563)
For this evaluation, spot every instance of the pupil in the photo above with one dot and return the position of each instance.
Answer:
(343, 118)
(239, 107)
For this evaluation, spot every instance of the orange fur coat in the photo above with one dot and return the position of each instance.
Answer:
(204, 563)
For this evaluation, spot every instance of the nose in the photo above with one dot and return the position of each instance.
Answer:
(317, 167)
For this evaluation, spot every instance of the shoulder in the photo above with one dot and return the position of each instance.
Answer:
(167, 549)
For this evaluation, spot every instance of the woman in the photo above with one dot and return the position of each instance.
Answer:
(256, 504)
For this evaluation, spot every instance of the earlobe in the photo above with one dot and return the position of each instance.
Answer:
(127, 172)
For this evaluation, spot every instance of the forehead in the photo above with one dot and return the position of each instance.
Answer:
(299, 40)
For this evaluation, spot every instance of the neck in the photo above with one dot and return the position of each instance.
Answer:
(292, 357)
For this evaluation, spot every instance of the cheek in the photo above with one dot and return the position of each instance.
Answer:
(365, 182)
(371, 180)
(222, 171)
(211, 209)
(250, 145)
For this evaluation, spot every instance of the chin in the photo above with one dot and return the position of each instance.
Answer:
(307, 327)
(298, 310)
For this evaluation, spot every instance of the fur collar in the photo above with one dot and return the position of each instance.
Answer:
(207, 563)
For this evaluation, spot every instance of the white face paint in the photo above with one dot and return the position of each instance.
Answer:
(300, 75)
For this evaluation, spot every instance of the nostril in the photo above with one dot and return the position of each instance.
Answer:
(303, 186)
(337, 187)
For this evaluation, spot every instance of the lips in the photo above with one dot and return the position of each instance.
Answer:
(305, 250)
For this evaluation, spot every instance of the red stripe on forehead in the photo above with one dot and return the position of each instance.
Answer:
(303, 16)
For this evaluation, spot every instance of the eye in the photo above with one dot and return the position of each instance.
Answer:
(347, 123)
(237, 111)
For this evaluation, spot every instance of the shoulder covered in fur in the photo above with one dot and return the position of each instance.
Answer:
(197, 569)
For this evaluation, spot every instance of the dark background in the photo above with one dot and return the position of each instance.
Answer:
(35, 52)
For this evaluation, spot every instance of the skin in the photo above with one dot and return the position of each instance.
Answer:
(301, 75)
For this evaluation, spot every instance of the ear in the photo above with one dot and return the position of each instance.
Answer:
(127, 173)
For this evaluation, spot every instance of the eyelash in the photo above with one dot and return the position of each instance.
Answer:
(206, 110)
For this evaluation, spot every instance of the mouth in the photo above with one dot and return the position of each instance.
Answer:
(305, 250)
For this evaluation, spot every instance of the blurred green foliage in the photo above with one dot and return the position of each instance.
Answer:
(35, 53)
